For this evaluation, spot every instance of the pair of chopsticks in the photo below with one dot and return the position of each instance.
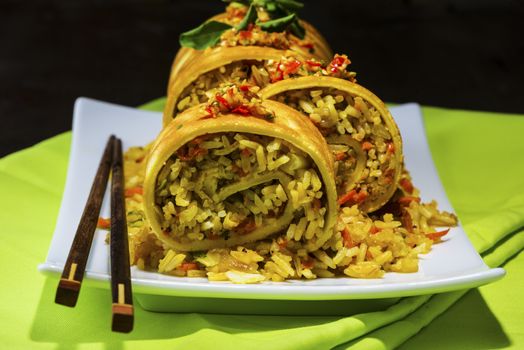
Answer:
(74, 269)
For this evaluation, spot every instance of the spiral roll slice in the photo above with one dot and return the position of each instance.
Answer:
(362, 135)
(215, 181)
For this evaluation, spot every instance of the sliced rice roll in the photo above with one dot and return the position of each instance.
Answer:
(227, 173)
(312, 45)
(362, 135)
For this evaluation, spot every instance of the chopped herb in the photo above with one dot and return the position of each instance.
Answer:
(179, 126)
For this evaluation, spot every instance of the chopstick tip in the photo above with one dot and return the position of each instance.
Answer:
(67, 292)
(123, 318)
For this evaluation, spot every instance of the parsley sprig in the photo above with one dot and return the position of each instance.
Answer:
(282, 15)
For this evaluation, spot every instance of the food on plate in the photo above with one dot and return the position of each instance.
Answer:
(225, 178)
(359, 129)
(234, 42)
(273, 163)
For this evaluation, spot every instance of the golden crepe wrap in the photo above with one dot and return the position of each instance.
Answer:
(288, 125)
(377, 199)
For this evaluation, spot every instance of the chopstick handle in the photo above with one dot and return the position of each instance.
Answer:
(73, 273)
(122, 308)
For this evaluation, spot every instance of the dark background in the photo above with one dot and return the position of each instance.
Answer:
(458, 53)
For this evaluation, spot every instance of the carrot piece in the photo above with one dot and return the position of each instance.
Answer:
(341, 156)
(406, 185)
(103, 223)
(435, 236)
(353, 197)
(346, 237)
(390, 148)
(366, 145)
(308, 264)
(186, 266)
(130, 192)
(347, 197)
(282, 244)
(406, 200)
(373, 230)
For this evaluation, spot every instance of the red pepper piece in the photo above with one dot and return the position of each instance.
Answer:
(292, 67)
(244, 88)
(245, 34)
(338, 61)
(242, 110)
(222, 101)
(313, 63)
(210, 111)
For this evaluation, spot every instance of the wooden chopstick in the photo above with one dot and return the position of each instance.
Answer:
(122, 308)
(73, 273)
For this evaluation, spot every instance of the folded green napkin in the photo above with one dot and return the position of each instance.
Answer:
(479, 158)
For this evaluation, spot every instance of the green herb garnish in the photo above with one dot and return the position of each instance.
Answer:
(282, 13)
(205, 35)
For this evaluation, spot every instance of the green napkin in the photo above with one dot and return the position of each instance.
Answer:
(479, 157)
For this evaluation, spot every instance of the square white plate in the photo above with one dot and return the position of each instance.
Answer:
(451, 265)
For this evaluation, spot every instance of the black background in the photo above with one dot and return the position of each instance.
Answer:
(457, 54)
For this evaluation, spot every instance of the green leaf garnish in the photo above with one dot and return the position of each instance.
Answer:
(250, 17)
(205, 35)
(281, 12)
(277, 25)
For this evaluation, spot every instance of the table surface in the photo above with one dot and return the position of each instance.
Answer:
(467, 54)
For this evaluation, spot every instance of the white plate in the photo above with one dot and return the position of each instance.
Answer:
(452, 264)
